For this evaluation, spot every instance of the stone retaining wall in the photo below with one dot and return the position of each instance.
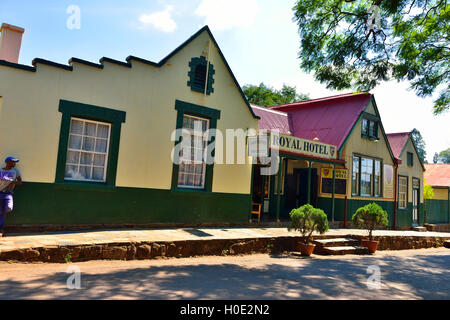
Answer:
(182, 249)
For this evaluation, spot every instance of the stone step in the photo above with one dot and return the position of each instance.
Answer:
(335, 251)
(419, 229)
(447, 244)
(336, 242)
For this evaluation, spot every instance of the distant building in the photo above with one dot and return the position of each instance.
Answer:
(438, 208)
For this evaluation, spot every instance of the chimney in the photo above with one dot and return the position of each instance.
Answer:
(10, 42)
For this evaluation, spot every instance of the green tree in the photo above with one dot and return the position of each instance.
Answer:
(344, 49)
(420, 144)
(444, 156)
(265, 96)
(436, 158)
(428, 194)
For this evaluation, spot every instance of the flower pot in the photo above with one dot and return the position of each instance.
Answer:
(306, 249)
(370, 245)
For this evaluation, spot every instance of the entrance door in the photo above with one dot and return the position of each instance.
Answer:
(301, 187)
(416, 197)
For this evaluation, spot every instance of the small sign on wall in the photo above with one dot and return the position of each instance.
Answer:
(388, 181)
(326, 181)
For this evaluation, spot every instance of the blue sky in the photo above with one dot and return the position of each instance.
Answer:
(258, 38)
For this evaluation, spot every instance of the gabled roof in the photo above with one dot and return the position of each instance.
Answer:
(437, 175)
(128, 64)
(271, 119)
(398, 142)
(329, 119)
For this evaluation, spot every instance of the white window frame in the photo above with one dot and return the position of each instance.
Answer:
(400, 206)
(93, 152)
(192, 133)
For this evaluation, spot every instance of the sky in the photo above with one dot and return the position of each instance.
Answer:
(258, 38)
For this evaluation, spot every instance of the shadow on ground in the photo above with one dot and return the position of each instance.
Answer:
(277, 277)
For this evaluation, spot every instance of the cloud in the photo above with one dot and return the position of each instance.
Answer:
(161, 20)
(227, 14)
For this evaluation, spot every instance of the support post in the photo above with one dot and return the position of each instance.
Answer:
(333, 193)
(309, 182)
(279, 189)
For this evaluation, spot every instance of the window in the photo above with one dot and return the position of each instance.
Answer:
(402, 192)
(410, 158)
(89, 144)
(355, 176)
(192, 169)
(366, 177)
(283, 169)
(87, 152)
(369, 129)
(200, 72)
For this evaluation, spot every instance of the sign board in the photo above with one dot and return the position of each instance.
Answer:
(258, 146)
(302, 146)
(388, 181)
(326, 181)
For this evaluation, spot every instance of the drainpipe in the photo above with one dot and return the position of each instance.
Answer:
(395, 192)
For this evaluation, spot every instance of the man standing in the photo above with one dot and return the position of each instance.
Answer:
(9, 178)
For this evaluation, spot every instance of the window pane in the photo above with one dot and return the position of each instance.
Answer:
(88, 144)
(85, 172)
(366, 176)
(98, 174)
(75, 142)
(73, 157)
(86, 158)
(71, 172)
(101, 145)
(355, 176)
(377, 181)
(372, 129)
(76, 127)
(90, 129)
(102, 131)
(365, 127)
(99, 160)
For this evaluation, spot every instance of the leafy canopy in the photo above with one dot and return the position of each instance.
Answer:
(410, 42)
(419, 143)
(307, 220)
(265, 96)
(444, 156)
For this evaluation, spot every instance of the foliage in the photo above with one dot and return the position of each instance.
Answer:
(410, 42)
(435, 157)
(265, 96)
(428, 192)
(444, 156)
(369, 217)
(307, 220)
(419, 143)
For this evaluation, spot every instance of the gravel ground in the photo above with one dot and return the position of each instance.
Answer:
(409, 274)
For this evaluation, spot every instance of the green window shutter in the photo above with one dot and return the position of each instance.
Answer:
(197, 75)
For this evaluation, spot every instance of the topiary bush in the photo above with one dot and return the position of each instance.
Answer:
(307, 220)
(370, 217)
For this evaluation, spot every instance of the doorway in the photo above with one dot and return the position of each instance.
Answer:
(297, 188)
(415, 204)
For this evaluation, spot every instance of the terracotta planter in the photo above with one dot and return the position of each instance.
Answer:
(306, 249)
(370, 245)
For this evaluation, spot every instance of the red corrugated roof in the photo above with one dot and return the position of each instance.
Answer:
(271, 119)
(437, 175)
(397, 142)
(328, 119)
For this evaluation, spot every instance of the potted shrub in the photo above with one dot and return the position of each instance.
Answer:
(307, 220)
(370, 217)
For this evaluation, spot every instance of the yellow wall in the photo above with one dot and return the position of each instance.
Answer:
(361, 146)
(440, 194)
(416, 171)
(30, 121)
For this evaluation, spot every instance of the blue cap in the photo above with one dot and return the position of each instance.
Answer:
(11, 159)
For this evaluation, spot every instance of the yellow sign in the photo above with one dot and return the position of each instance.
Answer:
(328, 173)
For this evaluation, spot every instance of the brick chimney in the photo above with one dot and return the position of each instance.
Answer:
(10, 42)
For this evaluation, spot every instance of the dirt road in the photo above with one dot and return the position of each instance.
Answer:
(412, 274)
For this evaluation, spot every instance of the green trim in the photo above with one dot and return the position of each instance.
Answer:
(71, 109)
(56, 204)
(17, 66)
(213, 115)
(415, 149)
(194, 64)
